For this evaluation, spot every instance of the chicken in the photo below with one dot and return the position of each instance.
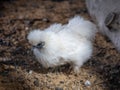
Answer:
(60, 44)
(107, 15)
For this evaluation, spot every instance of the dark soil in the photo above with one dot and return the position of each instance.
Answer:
(19, 69)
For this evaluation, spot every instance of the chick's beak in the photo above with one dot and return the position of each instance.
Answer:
(39, 46)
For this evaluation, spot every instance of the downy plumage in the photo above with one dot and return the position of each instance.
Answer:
(60, 44)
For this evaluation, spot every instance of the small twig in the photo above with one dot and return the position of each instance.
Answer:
(25, 20)
(100, 83)
(28, 20)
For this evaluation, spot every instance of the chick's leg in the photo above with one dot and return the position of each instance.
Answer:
(76, 67)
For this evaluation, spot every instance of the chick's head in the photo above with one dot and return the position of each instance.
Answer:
(37, 39)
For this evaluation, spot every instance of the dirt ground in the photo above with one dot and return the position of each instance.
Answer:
(19, 69)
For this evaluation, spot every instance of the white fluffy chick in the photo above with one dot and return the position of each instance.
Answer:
(60, 44)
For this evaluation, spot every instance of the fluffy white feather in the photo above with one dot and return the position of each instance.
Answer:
(70, 43)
